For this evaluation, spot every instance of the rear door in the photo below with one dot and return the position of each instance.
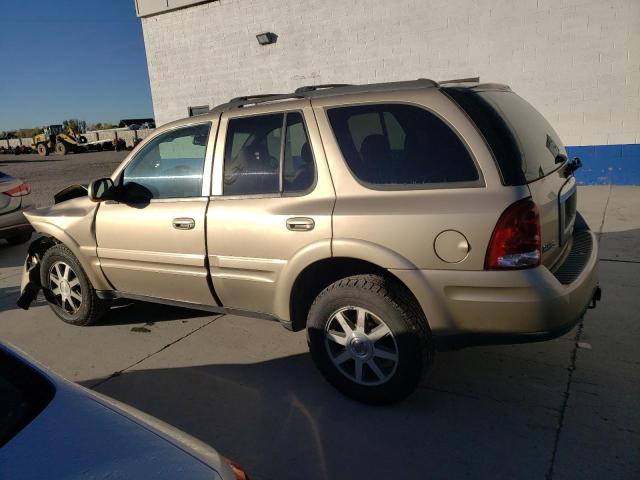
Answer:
(271, 205)
(151, 242)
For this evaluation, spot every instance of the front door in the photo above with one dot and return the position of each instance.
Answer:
(151, 242)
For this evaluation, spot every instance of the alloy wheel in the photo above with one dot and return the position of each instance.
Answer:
(65, 287)
(361, 346)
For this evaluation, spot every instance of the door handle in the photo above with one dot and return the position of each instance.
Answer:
(184, 223)
(300, 224)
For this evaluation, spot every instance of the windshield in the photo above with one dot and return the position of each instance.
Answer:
(525, 145)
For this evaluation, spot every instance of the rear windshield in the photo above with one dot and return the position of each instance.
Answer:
(24, 393)
(524, 144)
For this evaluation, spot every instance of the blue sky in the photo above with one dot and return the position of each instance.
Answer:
(71, 59)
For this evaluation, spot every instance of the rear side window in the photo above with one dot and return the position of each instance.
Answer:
(524, 144)
(402, 146)
(268, 154)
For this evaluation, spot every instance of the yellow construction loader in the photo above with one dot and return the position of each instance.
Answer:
(55, 139)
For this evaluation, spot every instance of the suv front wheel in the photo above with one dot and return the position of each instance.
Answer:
(68, 290)
(369, 339)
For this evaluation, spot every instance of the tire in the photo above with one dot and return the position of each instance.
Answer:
(20, 238)
(61, 148)
(43, 151)
(396, 338)
(85, 308)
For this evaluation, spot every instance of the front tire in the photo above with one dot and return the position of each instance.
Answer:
(61, 148)
(369, 339)
(68, 290)
(43, 151)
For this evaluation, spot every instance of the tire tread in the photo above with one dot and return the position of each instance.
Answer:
(97, 307)
(401, 300)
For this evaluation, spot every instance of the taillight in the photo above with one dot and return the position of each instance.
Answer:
(19, 191)
(238, 471)
(515, 242)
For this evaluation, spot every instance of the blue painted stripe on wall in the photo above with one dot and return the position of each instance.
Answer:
(607, 164)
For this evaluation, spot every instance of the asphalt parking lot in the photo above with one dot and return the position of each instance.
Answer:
(563, 409)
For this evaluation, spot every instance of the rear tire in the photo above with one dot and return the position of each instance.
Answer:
(369, 339)
(68, 290)
(61, 148)
(43, 151)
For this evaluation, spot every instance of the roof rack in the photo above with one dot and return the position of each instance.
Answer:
(319, 91)
(239, 102)
(462, 80)
(246, 98)
(313, 88)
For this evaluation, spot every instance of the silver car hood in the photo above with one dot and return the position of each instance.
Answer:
(81, 434)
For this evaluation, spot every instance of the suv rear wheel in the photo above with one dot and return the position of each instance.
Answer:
(369, 339)
(68, 290)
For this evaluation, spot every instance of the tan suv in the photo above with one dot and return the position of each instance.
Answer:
(386, 219)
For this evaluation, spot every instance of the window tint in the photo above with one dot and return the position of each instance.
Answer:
(170, 166)
(299, 167)
(523, 143)
(255, 149)
(400, 145)
(538, 142)
(252, 155)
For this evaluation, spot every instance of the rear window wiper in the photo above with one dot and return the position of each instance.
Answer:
(572, 166)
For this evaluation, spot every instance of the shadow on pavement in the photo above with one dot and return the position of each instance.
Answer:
(125, 312)
(13, 255)
(8, 297)
(280, 419)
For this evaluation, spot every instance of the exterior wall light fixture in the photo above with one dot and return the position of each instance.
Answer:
(267, 38)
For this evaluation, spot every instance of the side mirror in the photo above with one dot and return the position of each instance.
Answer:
(101, 190)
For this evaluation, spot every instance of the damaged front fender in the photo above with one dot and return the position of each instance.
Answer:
(30, 284)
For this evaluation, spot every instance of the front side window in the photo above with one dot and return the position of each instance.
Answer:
(400, 145)
(170, 166)
(260, 159)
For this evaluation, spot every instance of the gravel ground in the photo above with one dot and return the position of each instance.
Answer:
(49, 175)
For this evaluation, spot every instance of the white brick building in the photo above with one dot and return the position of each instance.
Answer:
(578, 61)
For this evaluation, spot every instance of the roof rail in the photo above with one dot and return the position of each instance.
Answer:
(320, 91)
(313, 88)
(246, 98)
(239, 102)
(462, 80)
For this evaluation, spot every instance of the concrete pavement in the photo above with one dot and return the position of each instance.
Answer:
(563, 409)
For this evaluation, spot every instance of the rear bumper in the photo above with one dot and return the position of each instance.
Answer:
(491, 307)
